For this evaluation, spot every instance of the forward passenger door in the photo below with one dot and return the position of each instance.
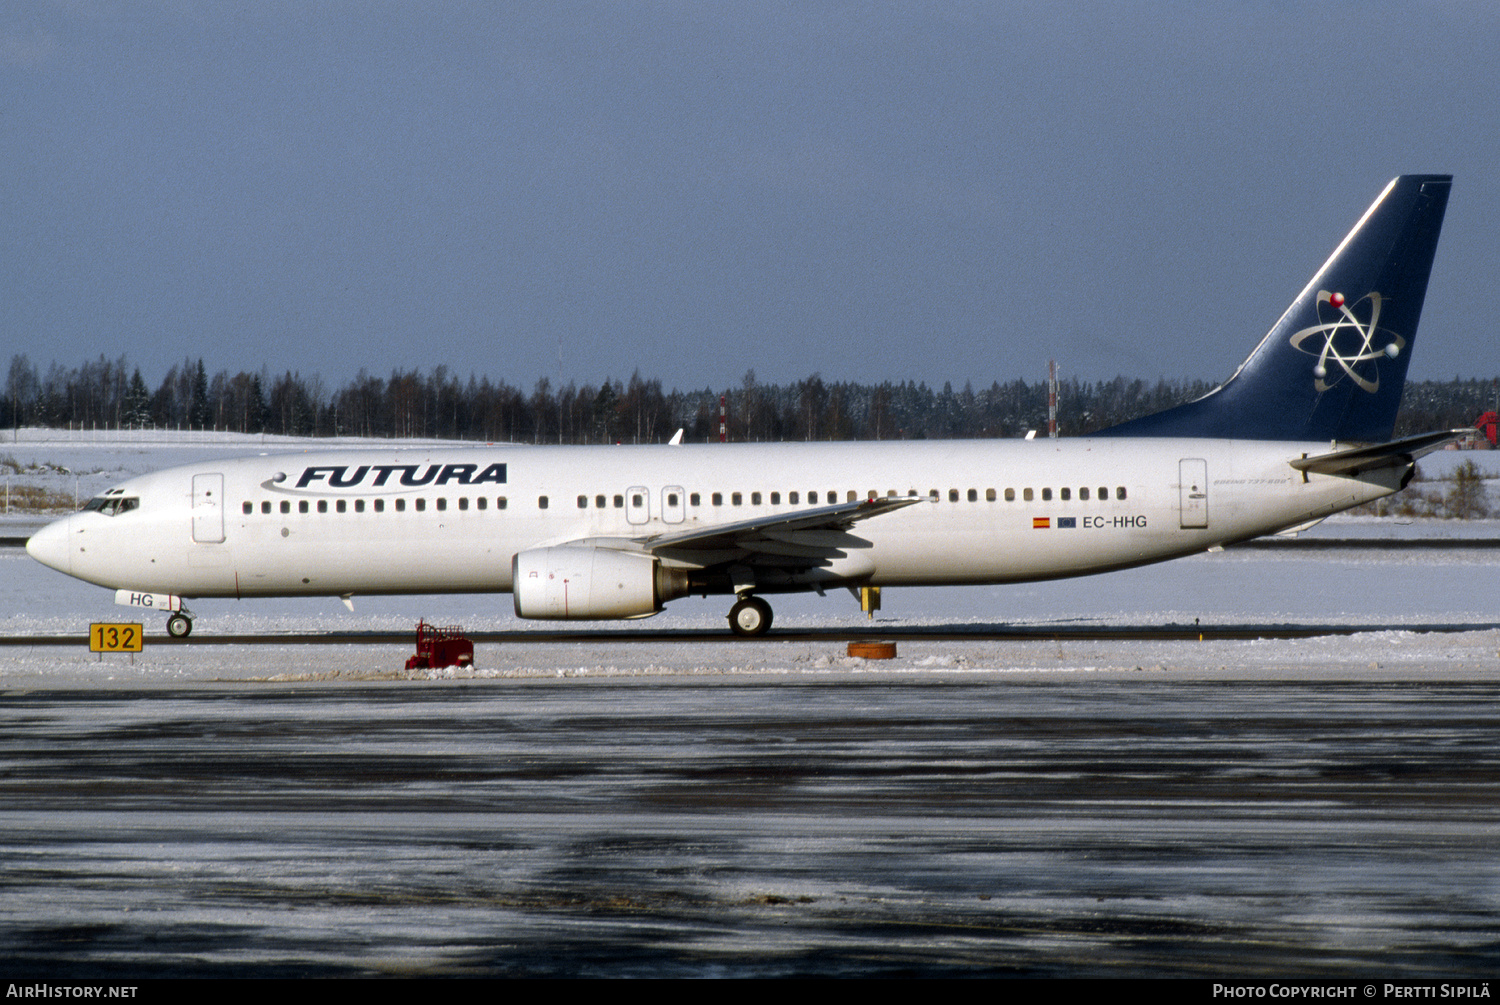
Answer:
(208, 509)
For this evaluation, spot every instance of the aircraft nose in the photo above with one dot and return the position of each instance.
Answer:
(50, 546)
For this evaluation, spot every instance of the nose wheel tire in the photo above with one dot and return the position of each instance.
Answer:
(749, 617)
(179, 626)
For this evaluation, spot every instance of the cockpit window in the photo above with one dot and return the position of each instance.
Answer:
(113, 506)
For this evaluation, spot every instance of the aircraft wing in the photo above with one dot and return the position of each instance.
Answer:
(825, 518)
(1381, 455)
(798, 540)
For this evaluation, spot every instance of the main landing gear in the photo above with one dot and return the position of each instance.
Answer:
(750, 616)
(179, 625)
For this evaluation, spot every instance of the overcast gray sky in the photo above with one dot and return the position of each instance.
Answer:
(938, 191)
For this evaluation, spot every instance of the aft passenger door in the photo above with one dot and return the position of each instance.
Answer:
(208, 509)
(1192, 492)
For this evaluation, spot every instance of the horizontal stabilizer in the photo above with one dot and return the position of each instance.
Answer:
(1381, 455)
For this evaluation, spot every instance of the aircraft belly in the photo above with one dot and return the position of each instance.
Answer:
(1024, 547)
(440, 560)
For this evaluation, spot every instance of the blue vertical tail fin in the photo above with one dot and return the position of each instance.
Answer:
(1334, 366)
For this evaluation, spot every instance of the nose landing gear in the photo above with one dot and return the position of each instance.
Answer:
(179, 625)
(750, 616)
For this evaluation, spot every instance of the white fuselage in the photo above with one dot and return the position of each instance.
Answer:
(451, 520)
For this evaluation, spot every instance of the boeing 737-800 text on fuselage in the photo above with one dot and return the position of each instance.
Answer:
(1302, 430)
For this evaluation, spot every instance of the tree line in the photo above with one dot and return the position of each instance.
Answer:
(110, 394)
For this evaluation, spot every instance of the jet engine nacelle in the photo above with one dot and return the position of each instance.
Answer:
(573, 582)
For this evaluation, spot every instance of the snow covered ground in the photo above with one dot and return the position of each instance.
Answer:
(1391, 591)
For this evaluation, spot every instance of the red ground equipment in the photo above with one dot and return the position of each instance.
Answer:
(441, 647)
(1486, 424)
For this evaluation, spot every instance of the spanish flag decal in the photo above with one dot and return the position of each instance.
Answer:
(1041, 522)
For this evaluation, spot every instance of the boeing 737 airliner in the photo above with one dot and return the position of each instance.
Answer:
(1302, 430)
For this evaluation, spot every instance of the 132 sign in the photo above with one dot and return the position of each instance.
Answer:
(115, 638)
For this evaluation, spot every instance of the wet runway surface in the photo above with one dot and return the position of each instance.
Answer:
(850, 826)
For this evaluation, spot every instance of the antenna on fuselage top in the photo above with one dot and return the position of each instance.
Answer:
(1052, 398)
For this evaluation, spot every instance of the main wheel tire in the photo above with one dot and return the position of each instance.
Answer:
(179, 626)
(750, 616)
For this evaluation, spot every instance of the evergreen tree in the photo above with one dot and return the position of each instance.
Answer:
(606, 416)
(1466, 499)
(199, 413)
(260, 412)
(21, 389)
(137, 402)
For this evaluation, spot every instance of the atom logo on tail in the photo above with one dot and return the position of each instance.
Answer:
(1348, 343)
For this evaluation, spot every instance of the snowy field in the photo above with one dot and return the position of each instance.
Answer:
(1390, 592)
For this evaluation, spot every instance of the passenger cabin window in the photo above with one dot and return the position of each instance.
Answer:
(619, 502)
(265, 507)
(736, 498)
(421, 505)
(286, 507)
(600, 502)
(322, 505)
(380, 505)
(755, 499)
(973, 495)
(583, 502)
(442, 503)
(791, 497)
(341, 505)
(1066, 494)
(1010, 495)
(541, 502)
(989, 495)
(463, 502)
(400, 505)
(359, 505)
(482, 503)
(953, 495)
(717, 498)
(1083, 494)
(695, 499)
(249, 508)
(1046, 495)
(1120, 492)
(1026, 495)
(301, 505)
